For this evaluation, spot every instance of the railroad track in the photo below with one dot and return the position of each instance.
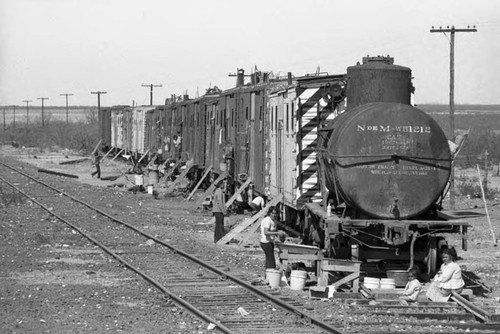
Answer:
(226, 301)
(383, 313)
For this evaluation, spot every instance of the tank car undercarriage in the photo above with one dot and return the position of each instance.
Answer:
(385, 244)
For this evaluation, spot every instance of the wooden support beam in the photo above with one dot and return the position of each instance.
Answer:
(116, 156)
(171, 171)
(105, 155)
(248, 222)
(182, 175)
(199, 183)
(143, 156)
(211, 189)
(151, 161)
(239, 191)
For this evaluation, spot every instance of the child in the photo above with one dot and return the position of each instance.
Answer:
(412, 288)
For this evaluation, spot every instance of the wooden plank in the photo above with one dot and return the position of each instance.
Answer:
(106, 155)
(150, 161)
(143, 156)
(182, 175)
(116, 156)
(69, 162)
(486, 207)
(96, 147)
(43, 170)
(211, 189)
(239, 191)
(199, 183)
(166, 176)
(247, 222)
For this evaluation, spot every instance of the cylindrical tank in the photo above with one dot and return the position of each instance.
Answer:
(378, 80)
(389, 160)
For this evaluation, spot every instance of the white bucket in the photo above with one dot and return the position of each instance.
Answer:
(387, 283)
(371, 282)
(273, 276)
(150, 189)
(139, 179)
(298, 279)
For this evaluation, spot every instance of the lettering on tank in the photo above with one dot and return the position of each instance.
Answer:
(394, 128)
(407, 170)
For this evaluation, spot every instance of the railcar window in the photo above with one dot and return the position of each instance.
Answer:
(293, 117)
(246, 113)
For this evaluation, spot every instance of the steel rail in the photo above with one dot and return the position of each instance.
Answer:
(151, 280)
(313, 320)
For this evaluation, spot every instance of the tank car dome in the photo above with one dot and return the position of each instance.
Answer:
(377, 79)
(389, 160)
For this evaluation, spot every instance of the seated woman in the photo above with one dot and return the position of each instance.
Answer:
(448, 279)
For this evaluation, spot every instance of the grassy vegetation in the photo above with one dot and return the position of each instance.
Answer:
(81, 136)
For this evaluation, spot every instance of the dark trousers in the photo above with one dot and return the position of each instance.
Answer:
(268, 248)
(219, 226)
(97, 171)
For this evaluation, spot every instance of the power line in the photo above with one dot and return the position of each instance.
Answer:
(452, 32)
(66, 94)
(43, 119)
(151, 91)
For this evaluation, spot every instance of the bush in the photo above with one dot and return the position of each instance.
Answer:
(80, 136)
(470, 187)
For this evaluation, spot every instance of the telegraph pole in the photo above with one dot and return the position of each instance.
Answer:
(66, 94)
(43, 119)
(98, 100)
(27, 110)
(452, 32)
(4, 126)
(151, 92)
(14, 116)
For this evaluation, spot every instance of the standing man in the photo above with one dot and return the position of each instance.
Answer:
(96, 162)
(219, 210)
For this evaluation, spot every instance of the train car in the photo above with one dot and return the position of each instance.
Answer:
(139, 129)
(362, 173)
(153, 128)
(105, 127)
(384, 167)
(117, 125)
(296, 116)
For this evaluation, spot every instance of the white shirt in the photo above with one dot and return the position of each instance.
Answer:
(269, 224)
(259, 201)
(450, 276)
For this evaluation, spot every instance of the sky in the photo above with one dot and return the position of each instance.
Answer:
(54, 47)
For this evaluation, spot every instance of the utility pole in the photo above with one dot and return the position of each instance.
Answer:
(66, 94)
(43, 119)
(151, 92)
(452, 32)
(4, 126)
(14, 116)
(27, 110)
(98, 100)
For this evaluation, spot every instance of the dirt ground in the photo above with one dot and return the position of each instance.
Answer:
(49, 287)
